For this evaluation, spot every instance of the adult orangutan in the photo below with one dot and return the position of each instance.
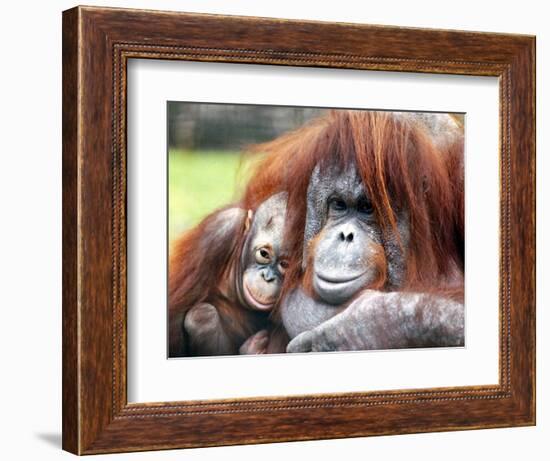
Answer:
(225, 276)
(375, 230)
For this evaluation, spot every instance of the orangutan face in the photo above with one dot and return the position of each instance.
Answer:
(263, 256)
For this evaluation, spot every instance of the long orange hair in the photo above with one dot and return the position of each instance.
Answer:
(401, 168)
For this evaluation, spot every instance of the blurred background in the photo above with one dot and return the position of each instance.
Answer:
(206, 169)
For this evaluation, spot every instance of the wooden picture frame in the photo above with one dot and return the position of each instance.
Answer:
(97, 44)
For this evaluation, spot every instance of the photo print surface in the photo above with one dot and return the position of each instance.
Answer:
(298, 229)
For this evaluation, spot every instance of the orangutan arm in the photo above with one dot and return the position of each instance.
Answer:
(205, 332)
(395, 320)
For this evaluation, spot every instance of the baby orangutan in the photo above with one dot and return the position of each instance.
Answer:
(225, 278)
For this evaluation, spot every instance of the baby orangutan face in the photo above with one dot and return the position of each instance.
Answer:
(263, 258)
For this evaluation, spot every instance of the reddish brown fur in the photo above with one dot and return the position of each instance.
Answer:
(379, 262)
(402, 170)
(203, 269)
(307, 280)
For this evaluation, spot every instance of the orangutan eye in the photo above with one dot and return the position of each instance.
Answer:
(283, 266)
(262, 256)
(365, 206)
(338, 204)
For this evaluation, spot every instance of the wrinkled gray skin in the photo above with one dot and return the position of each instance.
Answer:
(256, 288)
(394, 320)
(341, 268)
(338, 206)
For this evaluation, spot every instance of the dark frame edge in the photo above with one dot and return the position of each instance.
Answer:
(70, 350)
(524, 174)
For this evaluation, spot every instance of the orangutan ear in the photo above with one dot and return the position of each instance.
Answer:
(248, 221)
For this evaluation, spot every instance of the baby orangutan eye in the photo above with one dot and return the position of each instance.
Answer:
(282, 266)
(263, 256)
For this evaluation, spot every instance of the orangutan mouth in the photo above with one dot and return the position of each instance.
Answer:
(338, 279)
(253, 300)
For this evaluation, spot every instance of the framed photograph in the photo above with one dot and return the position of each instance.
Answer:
(280, 230)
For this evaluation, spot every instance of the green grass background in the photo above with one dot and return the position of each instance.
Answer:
(200, 182)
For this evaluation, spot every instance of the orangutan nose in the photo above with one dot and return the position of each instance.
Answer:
(346, 237)
(268, 275)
